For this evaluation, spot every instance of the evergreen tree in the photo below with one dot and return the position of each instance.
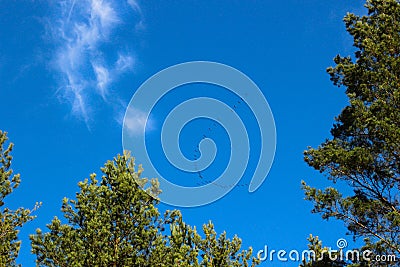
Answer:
(10, 220)
(364, 151)
(323, 257)
(115, 222)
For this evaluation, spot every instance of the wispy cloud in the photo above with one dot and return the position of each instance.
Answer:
(124, 63)
(136, 121)
(86, 59)
(103, 79)
(134, 4)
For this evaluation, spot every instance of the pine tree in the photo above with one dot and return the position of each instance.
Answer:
(115, 222)
(364, 151)
(323, 257)
(10, 220)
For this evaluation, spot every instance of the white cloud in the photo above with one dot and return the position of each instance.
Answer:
(136, 120)
(134, 5)
(81, 31)
(140, 26)
(124, 63)
(104, 13)
(103, 79)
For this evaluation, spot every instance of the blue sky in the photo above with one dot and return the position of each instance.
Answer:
(68, 69)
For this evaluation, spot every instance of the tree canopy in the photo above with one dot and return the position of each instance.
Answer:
(364, 151)
(10, 220)
(115, 222)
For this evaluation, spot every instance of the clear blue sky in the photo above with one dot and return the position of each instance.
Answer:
(68, 70)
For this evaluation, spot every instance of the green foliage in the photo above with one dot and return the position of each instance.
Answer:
(365, 149)
(323, 258)
(10, 220)
(185, 247)
(115, 222)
